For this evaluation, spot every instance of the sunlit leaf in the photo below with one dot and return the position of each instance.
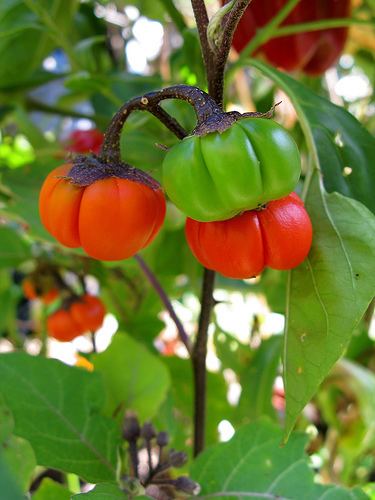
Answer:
(134, 378)
(253, 464)
(56, 408)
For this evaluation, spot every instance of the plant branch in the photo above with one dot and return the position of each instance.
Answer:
(216, 83)
(204, 106)
(199, 361)
(165, 300)
(201, 18)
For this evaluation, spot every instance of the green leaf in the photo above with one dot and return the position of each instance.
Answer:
(134, 378)
(50, 490)
(258, 379)
(24, 40)
(13, 248)
(253, 464)
(328, 293)
(25, 184)
(103, 491)
(56, 408)
(8, 486)
(17, 453)
(182, 393)
(340, 141)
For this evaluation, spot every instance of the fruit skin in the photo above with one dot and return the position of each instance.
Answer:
(111, 219)
(218, 175)
(88, 312)
(312, 52)
(62, 326)
(278, 236)
(85, 141)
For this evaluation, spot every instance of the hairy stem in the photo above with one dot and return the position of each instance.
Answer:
(216, 81)
(165, 300)
(201, 18)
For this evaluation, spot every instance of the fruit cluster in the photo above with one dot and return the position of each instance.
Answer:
(233, 178)
(80, 315)
(236, 189)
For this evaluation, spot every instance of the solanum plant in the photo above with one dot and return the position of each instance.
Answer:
(204, 253)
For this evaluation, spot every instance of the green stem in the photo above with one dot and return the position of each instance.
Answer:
(267, 31)
(319, 25)
(73, 483)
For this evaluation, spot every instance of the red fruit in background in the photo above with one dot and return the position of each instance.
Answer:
(62, 326)
(312, 52)
(278, 236)
(85, 141)
(88, 312)
(111, 219)
(28, 289)
(30, 292)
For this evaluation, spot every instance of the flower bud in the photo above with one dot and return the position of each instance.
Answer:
(187, 485)
(177, 458)
(162, 439)
(131, 429)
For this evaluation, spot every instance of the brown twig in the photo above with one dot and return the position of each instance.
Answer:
(204, 106)
(165, 299)
(199, 361)
(216, 83)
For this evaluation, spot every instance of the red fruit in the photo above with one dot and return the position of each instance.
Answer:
(112, 218)
(312, 52)
(62, 326)
(85, 141)
(29, 290)
(278, 236)
(88, 312)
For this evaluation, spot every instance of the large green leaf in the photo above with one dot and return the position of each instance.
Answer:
(253, 464)
(16, 452)
(134, 378)
(258, 379)
(329, 293)
(340, 141)
(8, 485)
(50, 490)
(182, 391)
(26, 39)
(103, 491)
(56, 408)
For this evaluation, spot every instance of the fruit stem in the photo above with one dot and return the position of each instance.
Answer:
(199, 361)
(204, 106)
(165, 299)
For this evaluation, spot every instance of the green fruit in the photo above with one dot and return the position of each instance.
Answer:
(218, 175)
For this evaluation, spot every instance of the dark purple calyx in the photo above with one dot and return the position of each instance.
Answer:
(89, 169)
(219, 122)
